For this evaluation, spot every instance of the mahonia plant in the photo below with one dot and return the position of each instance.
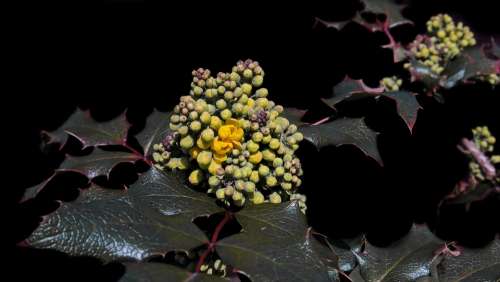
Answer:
(232, 139)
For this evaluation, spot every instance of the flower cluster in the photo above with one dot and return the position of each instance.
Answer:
(444, 41)
(233, 139)
(391, 83)
(485, 142)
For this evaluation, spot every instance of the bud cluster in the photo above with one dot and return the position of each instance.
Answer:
(444, 40)
(485, 142)
(232, 139)
(391, 84)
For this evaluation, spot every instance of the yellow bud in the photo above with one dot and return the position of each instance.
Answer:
(196, 177)
(204, 159)
(258, 198)
(255, 158)
(275, 198)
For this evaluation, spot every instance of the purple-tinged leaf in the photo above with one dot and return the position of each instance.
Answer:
(98, 163)
(344, 131)
(407, 106)
(481, 264)
(153, 216)
(349, 90)
(90, 132)
(274, 245)
(156, 128)
(408, 259)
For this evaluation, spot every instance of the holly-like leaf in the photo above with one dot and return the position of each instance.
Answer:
(344, 131)
(351, 89)
(481, 264)
(470, 194)
(274, 245)
(152, 217)
(90, 132)
(345, 249)
(161, 272)
(407, 106)
(99, 162)
(390, 8)
(156, 128)
(473, 62)
(408, 259)
(294, 115)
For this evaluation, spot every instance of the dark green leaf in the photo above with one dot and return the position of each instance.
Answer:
(405, 260)
(160, 272)
(99, 162)
(478, 193)
(294, 115)
(153, 216)
(482, 264)
(156, 128)
(390, 8)
(350, 89)
(344, 131)
(407, 106)
(274, 245)
(90, 132)
(345, 248)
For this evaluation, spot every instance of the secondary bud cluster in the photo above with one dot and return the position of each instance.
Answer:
(391, 83)
(217, 268)
(444, 41)
(233, 139)
(485, 142)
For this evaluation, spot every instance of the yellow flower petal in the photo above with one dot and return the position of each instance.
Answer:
(233, 122)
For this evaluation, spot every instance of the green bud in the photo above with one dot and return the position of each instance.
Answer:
(197, 91)
(229, 95)
(205, 118)
(243, 99)
(278, 162)
(196, 177)
(174, 119)
(274, 144)
(246, 88)
(207, 135)
(204, 158)
(183, 130)
(247, 73)
(279, 171)
(288, 177)
(286, 186)
(213, 181)
(187, 142)
(229, 191)
(275, 198)
(271, 181)
(195, 126)
(239, 185)
(254, 176)
(250, 187)
(262, 92)
(238, 92)
(237, 108)
(258, 198)
(234, 77)
(221, 89)
(225, 114)
(298, 136)
(257, 80)
(238, 199)
(220, 194)
(193, 115)
(252, 147)
(290, 140)
(238, 173)
(257, 137)
(263, 170)
(221, 104)
(266, 139)
(211, 108)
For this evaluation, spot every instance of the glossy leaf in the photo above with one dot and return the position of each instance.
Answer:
(408, 259)
(407, 106)
(351, 89)
(90, 132)
(99, 162)
(160, 272)
(156, 128)
(344, 131)
(153, 216)
(481, 264)
(274, 245)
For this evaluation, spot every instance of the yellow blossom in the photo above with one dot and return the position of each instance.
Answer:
(229, 137)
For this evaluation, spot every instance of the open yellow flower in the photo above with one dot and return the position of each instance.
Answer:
(229, 137)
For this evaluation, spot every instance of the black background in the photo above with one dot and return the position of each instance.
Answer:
(139, 56)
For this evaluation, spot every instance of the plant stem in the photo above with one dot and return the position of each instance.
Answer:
(213, 240)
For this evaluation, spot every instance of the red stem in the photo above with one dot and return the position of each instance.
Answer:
(137, 153)
(215, 236)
